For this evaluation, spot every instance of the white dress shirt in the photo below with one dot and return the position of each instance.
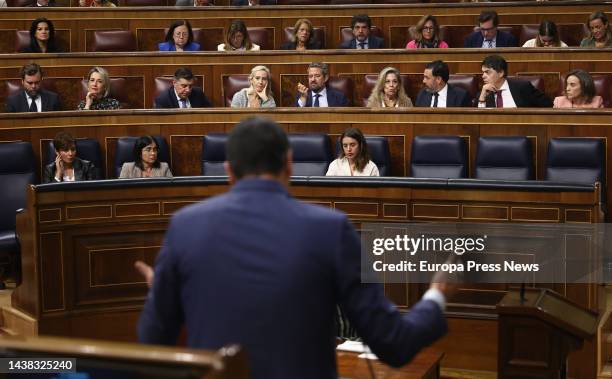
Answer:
(506, 97)
(342, 167)
(38, 102)
(188, 104)
(485, 43)
(365, 42)
(442, 95)
(322, 99)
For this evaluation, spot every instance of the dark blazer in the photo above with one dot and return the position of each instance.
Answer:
(19, 102)
(246, 2)
(167, 99)
(503, 40)
(525, 95)
(83, 170)
(334, 99)
(310, 45)
(373, 43)
(456, 97)
(275, 289)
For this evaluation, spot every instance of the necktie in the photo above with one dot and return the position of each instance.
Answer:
(316, 102)
(435, 95)
(489, 43)
(499, 101)
(183, 103)
(33, 107)
(362, 45)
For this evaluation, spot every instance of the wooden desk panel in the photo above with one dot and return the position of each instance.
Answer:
(426, 365)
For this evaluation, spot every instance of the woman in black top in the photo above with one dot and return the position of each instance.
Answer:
(42, 37)
(303, 37)
(67, 167)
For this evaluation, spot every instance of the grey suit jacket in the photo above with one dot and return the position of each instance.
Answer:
(129, 170)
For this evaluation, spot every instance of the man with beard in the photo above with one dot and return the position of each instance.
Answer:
(317, 94)
(33, 98)
(437, 92)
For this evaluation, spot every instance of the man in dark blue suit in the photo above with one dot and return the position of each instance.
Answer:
(437, 92)
(363, 38)
(317, 94)
(33, 98)
(488, 36)
(182, 93)
(256, 267)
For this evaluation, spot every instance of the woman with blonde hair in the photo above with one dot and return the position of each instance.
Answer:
(427, 34)
(98, 91)
(258, 94)
(237, 38)
(389, 91)
(302, 37)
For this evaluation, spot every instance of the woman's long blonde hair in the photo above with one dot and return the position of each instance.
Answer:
(376, 98)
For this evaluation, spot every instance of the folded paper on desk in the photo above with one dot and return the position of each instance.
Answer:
(357, 347)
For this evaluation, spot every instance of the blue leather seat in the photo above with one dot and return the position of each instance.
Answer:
(17, 171)
(438, 157)
(125, 152)
(577, 160)
(378, 147)
(213, 154)
(87, 148)
(504, 158)
(311, 154)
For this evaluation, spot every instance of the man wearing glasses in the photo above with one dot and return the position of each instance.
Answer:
(488, 37)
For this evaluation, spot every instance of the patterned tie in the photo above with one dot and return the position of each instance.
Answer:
(316, 102)
(183, 103)
(490, 43)
(435, 95)
(499, 101)
(33, 107)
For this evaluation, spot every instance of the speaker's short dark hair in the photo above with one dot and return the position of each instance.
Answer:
(30, 69)
(488, 16)
(363, 18)
(439, 68)
(183, 73)
(497, 63)
(257, 146)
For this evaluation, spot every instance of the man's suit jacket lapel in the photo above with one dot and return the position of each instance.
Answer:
(451, 97)
(427, 99)
(517, 92)
(309, 99)
(173, 99)
(23, 102)
(353, 43)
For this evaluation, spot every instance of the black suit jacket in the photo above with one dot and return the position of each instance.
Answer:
(246, 2)
(167, 99)
(19, 102)
(373, 43)
(525, 95)
(312, 44)
(83, 170)
(455, 97)
(503, 39)
(334, 99)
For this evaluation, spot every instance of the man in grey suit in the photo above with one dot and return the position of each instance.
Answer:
(33, 98)
(259, 268)
(437, 92)
(363, 38)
